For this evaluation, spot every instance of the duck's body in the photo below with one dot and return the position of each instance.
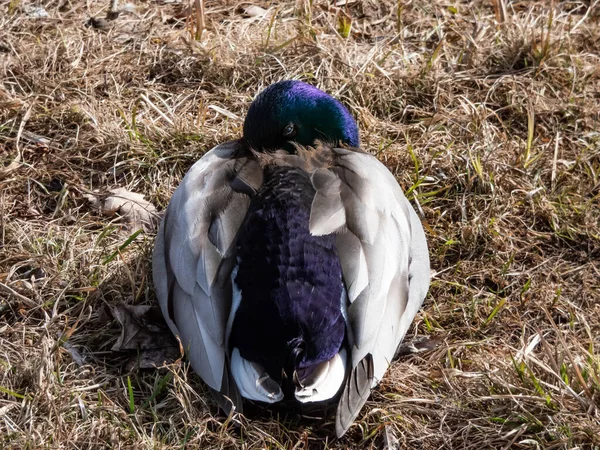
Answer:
(291, 272)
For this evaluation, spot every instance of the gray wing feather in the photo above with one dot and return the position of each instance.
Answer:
(203, 352)
(193, 258)
(223, 229)
(354, 264)
(419, 270)
(355, 394)
(373, 244)
(328, 201)
(229, 394)
(385, 264)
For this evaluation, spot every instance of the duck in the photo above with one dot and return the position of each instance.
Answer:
(289, 263)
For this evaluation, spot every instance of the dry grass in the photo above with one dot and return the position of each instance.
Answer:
(487, 112)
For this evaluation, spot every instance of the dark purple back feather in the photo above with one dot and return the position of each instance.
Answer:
(290, 281)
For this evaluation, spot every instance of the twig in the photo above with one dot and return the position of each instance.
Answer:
(155, 108)
(553, 176)
(21, 297)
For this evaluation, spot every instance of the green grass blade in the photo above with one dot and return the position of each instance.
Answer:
(130, 394)
(122, 247)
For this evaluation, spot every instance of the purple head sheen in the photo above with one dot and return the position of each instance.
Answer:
(294, 111)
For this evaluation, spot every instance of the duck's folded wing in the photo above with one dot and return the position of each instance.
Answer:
(385, 264)
(193, 259)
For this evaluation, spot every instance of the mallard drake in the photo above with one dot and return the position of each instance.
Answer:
(289, 262)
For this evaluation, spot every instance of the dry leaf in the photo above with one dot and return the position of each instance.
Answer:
(417, 345)
(144, 330)
(255, 11)
(136, 212)
(98, 23)
(36, 12)
(75, 355)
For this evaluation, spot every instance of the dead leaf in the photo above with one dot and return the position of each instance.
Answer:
(98, 23)
(152, 358)
(136, 212)
(417, 345)
(144, 330)
(255, 11)
(36, 12)
(75, 355)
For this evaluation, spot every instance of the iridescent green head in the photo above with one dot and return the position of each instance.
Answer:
(294, 111)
